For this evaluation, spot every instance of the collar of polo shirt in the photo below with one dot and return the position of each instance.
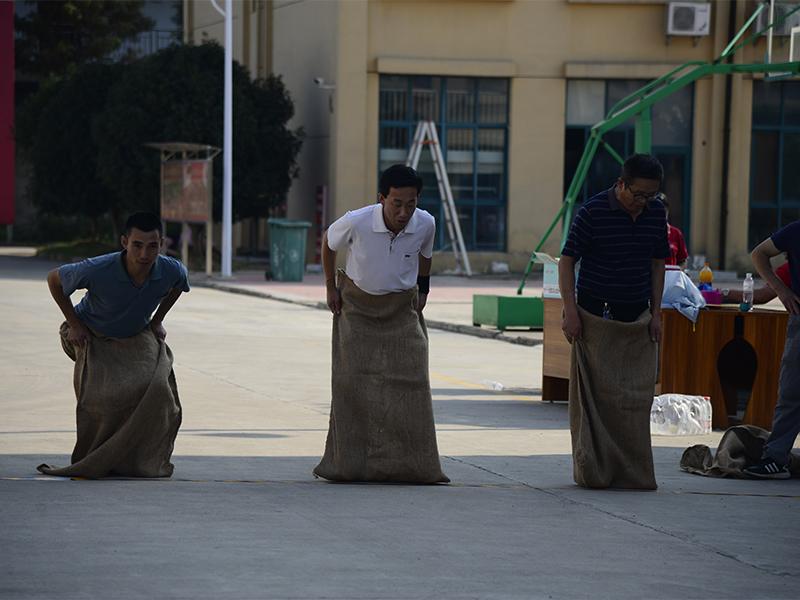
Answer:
(379, 225)
(613, 202)
(122, 273)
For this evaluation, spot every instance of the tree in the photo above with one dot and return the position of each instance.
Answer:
(55, 131)
(86, 138)
(176, 96)
(55, 37)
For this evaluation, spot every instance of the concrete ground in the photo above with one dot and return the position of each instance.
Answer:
(449, 303)
(243, 517)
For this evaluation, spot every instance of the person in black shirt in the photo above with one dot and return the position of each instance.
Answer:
(620, 238)
(777, 454)
(614, 323)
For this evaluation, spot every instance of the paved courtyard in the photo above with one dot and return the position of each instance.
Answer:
(244, 518)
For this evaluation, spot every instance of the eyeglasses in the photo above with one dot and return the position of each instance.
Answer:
(642, 196)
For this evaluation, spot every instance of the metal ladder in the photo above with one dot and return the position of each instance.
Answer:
(426, 135)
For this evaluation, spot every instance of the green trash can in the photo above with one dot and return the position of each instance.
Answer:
(287, 254)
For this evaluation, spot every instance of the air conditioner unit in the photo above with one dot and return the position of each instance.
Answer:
(781, 9)
(689, 18)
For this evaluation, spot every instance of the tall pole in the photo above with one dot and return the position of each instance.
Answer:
(227, 163)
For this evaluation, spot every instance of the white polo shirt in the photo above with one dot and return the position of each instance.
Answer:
(378, 261)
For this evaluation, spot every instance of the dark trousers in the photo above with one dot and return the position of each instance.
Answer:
(786, 420)
(626, 312)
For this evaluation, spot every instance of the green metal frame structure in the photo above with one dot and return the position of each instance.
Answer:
(638, 104)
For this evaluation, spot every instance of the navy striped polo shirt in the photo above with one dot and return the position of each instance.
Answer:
(615, 250)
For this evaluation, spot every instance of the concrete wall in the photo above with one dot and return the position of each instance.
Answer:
(304, 48)
(203, 22)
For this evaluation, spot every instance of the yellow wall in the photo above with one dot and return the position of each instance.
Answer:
(539, 37)
(298, 59)
(349, 144)
(536, 162)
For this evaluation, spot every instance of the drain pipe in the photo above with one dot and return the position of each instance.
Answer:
(726, 145)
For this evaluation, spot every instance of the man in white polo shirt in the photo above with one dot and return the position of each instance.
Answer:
(381, 424)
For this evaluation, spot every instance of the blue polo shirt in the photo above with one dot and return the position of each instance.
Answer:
(788, 240)
(616, 251)
(113, 305)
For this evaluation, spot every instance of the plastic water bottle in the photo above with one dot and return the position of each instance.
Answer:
(707, 414)
(706, 278)
(747, 293)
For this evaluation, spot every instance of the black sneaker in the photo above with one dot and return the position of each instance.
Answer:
(768, 469)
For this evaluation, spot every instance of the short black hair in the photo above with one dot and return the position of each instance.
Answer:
(399, 176)
(642, 166)
(144, 221)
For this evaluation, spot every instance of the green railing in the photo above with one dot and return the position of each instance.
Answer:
(638, 104)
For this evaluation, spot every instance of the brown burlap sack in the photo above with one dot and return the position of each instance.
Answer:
(611, 388)
(381, 423)
(128, 411)
(740, 447)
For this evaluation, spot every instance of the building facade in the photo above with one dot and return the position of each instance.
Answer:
(514, 87)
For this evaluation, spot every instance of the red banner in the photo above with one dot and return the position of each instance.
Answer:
(6, 113)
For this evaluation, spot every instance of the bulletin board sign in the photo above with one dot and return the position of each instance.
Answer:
(186, 187)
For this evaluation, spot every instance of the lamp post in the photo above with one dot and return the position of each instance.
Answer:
(227, 145)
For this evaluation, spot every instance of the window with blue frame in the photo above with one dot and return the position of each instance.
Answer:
(589, 100)
(774, 158)
(471, 116)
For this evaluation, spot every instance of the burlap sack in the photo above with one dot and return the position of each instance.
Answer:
(611, 388)
(740, 447)
(381, 423)
(128, 411)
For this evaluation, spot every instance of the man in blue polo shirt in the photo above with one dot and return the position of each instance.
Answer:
(128, 411)
(786, 420)
(614, 323)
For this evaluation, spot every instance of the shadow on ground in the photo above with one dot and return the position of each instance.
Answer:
(501, 414)
(509, 527)
(24, 268)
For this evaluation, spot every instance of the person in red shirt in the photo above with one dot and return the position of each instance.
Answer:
(677, 246)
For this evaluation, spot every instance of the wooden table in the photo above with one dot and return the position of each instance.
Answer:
(704, 359)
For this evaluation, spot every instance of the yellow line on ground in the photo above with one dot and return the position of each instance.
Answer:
(455, 381)
(474, 386)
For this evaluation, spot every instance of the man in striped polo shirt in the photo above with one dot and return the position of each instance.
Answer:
(614, 323)
(620, 238)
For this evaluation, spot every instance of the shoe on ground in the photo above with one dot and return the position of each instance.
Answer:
(768, 469)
